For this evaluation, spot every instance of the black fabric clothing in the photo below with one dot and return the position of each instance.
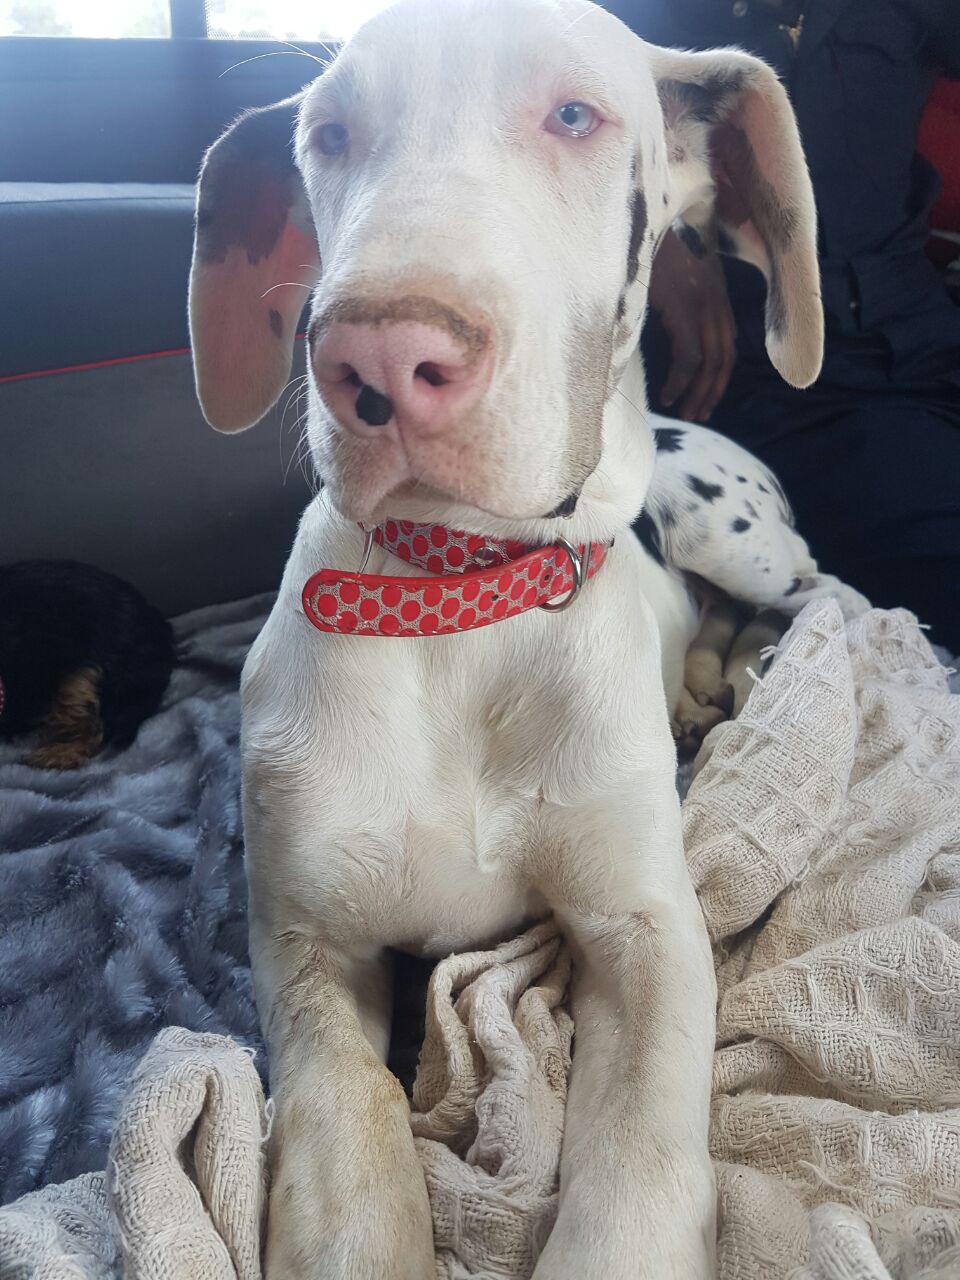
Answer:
(870, 456)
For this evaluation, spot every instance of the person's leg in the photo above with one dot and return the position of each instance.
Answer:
(874, 480)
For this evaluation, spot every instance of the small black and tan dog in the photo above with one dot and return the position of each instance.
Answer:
(84, 659)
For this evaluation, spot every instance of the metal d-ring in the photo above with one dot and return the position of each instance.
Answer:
(367, 548)
(580, 566)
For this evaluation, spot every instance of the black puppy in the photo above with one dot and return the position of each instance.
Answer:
(84, 660)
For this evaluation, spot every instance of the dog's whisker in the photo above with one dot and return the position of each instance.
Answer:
(284, 284)
(295, 388)
(303, 453)
(632, 403)
(579, 18)
(331, 53)
(274, 53)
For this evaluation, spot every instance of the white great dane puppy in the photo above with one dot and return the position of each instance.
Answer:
(474, 192)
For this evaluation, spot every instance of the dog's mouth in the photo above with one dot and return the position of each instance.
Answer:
(565, 508)
(427, 503)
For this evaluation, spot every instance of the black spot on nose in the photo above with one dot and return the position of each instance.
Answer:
(373, 407)
(565, 508)
(276, 323)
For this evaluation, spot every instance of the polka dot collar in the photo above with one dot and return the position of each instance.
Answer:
(475, 582)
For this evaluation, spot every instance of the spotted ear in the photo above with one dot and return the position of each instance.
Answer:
(254, 261)
(741, 186)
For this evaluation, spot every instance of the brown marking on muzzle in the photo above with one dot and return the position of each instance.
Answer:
(474, 338)
(589, 354)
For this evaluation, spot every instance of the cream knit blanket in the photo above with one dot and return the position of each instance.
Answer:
(823, 833)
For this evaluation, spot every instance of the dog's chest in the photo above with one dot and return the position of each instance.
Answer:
(461, 767)
(421, 773)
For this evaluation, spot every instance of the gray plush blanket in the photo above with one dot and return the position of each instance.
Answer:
(122, 909)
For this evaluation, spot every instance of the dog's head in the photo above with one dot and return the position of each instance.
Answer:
(474, 191)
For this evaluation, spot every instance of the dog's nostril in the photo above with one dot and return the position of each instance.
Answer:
(431, 373)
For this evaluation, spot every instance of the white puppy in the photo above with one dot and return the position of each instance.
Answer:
(474, 192)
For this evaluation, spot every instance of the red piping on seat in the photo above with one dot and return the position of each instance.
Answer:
(96, 364)
(99, 364)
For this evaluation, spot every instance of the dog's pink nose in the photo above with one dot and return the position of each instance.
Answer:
(423, 376)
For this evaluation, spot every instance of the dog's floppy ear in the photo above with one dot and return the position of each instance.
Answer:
(254, 250)
(741, 178)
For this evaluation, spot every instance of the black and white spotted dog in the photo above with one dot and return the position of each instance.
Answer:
(715, 514)
(715, 510)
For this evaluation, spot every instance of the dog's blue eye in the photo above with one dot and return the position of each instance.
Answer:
(330, 138)
(572, 120)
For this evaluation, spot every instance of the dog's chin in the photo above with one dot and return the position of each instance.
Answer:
(426, 503)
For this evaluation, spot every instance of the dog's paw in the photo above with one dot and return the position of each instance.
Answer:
(704, 682)
(692, 721)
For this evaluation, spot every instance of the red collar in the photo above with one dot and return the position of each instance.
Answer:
(477, 581)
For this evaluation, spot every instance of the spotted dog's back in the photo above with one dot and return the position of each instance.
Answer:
(715, 510)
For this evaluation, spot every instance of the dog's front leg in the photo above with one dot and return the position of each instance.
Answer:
(636, 1186)
(348, 1199)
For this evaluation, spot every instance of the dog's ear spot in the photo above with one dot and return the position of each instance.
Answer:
(744, 185)
(255, 260)
(249, 183)
(706, 98)
(703, 489)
